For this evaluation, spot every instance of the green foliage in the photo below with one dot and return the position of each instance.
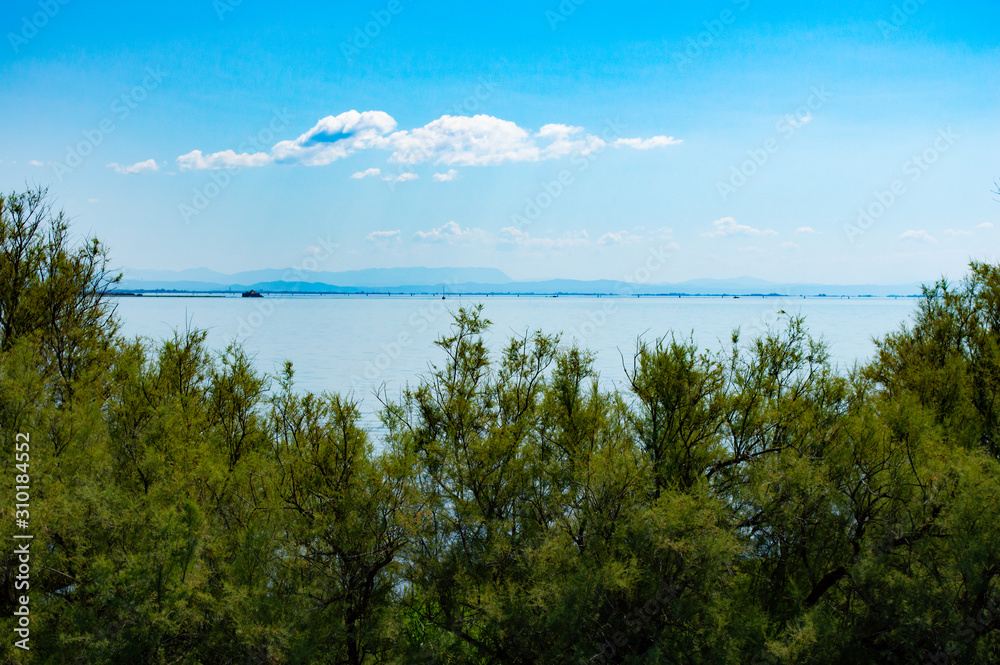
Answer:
(748, 506)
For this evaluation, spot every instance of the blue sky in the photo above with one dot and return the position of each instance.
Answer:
(851, 142)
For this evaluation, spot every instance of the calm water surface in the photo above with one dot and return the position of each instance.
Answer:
(355, 343)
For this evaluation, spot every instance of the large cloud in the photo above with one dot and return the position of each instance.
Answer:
(336, 137)
(480, 140)
(462, 141)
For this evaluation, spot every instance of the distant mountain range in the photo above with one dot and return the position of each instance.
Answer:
(372, 277)
(470, 280)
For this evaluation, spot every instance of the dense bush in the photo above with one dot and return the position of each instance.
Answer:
(747, 506)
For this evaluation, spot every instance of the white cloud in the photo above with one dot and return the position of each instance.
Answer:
(620, 238)
(484, 140)
(388, 177)
(479, 140)
(227, 159)
(985, 225)
(523, 240)
(565, 140)
(402, 177)
(35, 162)
(957, 232)
(727, 226)
(800, 121)
(139, 167)
(451, 233)
(647, 144)
(445, 177)
(382, 235)
(384, 239)
(791, 246)
(807, 229)
(921, 236)
(336, 137)
(513, 238)
(93, 200)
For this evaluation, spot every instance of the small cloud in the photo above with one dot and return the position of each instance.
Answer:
(367, 173)
(446, 177)
(326, 249)
(402, 177)
(727, 226)
(35, 162)
(514, 237)
(619, 238)
(921, 236)
(798, 122)
(451, 233)
(790, 246)
(985, 225)
(647, 144)
(384, 238)
(93, 200)
(227, 159)
(957, 232)
(139, 167)
(388, 177)
(807, 229)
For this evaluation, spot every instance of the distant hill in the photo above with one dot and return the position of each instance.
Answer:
(371, 277)
(473, 280)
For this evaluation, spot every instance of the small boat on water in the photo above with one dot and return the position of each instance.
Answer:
(251, 294)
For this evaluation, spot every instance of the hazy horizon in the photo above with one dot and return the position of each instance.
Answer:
(298, 274)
